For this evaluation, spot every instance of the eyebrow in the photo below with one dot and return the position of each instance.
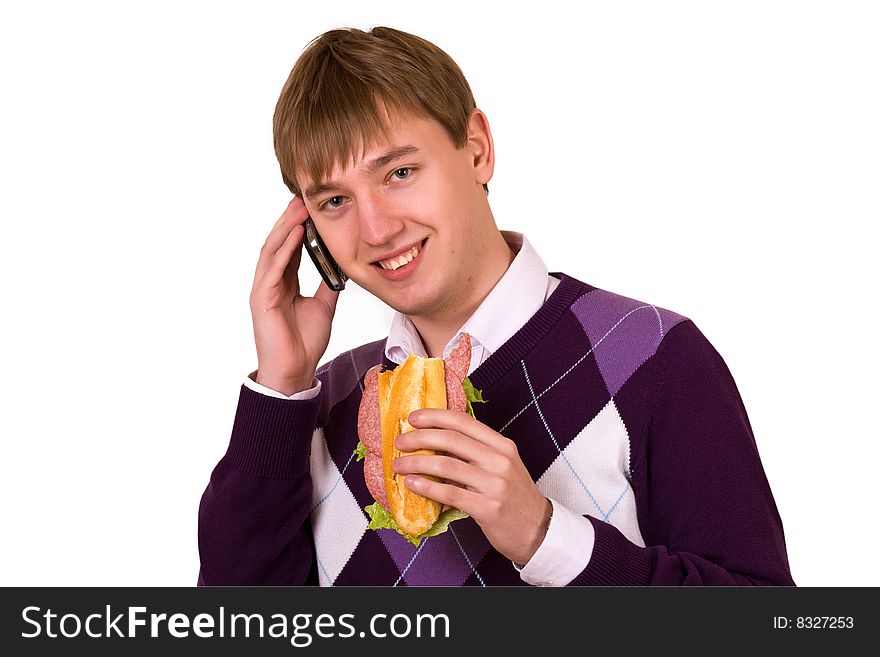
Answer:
(368, 169)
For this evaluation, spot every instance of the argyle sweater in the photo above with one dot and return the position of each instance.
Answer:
(622, 411)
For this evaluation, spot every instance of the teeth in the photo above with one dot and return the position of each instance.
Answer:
(401, 260)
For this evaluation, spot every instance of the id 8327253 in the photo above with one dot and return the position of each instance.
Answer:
(813, 622)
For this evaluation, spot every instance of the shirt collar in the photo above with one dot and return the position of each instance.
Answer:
(509, 305)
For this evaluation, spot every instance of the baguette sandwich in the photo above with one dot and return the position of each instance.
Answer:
(388, 399)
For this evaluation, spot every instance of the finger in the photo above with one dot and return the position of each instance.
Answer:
(447, 494)
(282, 265)
(451, 469)
(294, 215)
(287, 258)
(443, 440)
(460, 421)
(290, 206)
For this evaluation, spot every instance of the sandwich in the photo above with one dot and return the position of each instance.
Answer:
(388, 399)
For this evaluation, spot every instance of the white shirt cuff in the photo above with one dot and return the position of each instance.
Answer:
(311, 393)
(564, 552)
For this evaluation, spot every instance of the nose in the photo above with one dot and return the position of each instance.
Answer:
(377, 220)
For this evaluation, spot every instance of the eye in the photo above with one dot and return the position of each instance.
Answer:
(402, 172)
(332, 202)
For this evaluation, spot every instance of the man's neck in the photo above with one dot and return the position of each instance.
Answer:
(437, 330)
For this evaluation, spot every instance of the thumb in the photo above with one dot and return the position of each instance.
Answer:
(327, 295)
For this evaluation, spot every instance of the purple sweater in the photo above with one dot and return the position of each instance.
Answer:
(684, 501)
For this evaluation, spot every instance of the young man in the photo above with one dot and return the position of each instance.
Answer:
(613, 447)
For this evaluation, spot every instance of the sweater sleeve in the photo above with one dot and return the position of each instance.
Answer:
(254, 526)
(705, 508)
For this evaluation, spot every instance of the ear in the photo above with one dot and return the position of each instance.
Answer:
(481, 146)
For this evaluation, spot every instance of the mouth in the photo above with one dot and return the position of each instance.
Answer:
(402, 259)
(403, 264)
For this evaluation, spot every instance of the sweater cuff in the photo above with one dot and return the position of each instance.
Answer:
(615, 560)
(251, 382)
(271, 437)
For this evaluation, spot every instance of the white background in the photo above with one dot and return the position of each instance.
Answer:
(717, 159)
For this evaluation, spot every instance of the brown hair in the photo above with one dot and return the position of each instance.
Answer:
(329, 108)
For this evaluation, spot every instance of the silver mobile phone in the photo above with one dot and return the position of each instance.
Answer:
(333, 276)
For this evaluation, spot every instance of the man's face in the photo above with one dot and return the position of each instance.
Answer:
(416, 194)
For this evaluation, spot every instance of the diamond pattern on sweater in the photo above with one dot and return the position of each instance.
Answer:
(624, 332)
(338, 522)
(552, 381)
(370, 560)
(444, 560)
(590, 474)
(344, 373)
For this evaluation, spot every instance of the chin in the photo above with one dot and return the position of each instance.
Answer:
(417, 305)
(406, 306)
(420, 298)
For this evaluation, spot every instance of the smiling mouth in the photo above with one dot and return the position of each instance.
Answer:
(403, 259)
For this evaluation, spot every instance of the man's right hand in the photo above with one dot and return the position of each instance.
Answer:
(291, 331)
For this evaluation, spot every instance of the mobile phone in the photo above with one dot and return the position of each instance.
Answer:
(333, 276)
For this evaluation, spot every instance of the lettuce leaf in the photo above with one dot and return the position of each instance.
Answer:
(472, 396)
(360, 451)
(381, 519)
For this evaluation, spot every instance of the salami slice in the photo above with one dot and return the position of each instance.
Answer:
(455, 399)
(369, 425)
(375, 479)
(459, 360)
(457, 364)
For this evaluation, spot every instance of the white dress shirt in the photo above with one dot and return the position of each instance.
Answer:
(522, 290)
